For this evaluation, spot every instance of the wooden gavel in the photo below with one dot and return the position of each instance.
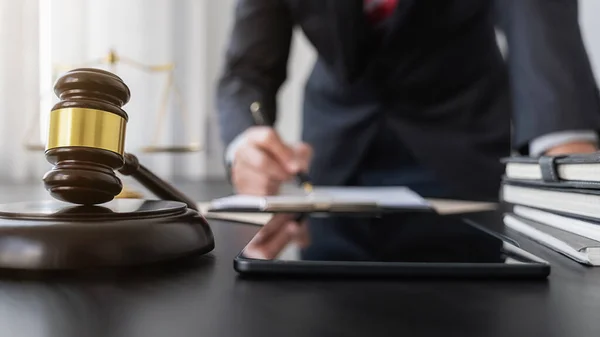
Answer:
(86, 141)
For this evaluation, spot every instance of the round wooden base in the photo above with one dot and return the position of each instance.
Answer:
(52, 235)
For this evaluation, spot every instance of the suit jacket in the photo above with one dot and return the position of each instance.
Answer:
(436, 77)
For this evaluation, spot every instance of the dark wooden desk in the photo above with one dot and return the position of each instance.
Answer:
(205, 297)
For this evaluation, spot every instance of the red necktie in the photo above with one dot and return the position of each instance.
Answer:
(379, 10)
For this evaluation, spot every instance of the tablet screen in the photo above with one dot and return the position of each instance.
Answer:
(407, 238)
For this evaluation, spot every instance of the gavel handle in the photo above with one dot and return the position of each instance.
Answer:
(159, 187)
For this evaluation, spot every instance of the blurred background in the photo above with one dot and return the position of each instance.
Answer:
(169, 52)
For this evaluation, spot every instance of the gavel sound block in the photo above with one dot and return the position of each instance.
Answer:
(84, 226)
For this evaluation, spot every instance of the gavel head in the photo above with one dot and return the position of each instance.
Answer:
(86, 137)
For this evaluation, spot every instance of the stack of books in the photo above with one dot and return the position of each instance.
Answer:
(555, 201)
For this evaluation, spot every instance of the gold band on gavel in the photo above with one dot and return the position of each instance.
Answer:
(88, 128)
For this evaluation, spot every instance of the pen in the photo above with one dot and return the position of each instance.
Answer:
(301, 178)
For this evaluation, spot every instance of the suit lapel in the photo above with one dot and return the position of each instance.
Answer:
(350, 36)
(353, 37)
(398, 19)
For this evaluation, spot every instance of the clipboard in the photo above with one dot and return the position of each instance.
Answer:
(347, 200)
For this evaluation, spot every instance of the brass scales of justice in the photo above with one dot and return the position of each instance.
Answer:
(112, 60)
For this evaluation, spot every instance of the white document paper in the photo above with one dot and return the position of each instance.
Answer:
(384, 197)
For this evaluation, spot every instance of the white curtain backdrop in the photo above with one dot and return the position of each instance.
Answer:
(590, 26)
(19, 89)
(151, 32)
(192, 34)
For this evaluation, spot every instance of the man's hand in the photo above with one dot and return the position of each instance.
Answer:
(262, 162)
(572, 148)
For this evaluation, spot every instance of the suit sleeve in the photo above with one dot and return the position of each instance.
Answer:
(255, 64)
(553, 85)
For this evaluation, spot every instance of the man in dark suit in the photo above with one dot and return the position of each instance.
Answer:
(411, 92)
(408, 92)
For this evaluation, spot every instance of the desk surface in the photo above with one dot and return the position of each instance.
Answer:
(205, 297)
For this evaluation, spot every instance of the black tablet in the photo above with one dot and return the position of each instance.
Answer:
(396, 244)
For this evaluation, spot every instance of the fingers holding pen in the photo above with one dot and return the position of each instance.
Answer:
(267, 140)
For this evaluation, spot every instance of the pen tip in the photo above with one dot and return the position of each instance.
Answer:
(307, 187)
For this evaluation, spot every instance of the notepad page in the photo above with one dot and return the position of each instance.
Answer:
(392, 197)
(250, 201)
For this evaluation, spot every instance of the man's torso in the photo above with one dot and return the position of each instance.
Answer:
(430, 71)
